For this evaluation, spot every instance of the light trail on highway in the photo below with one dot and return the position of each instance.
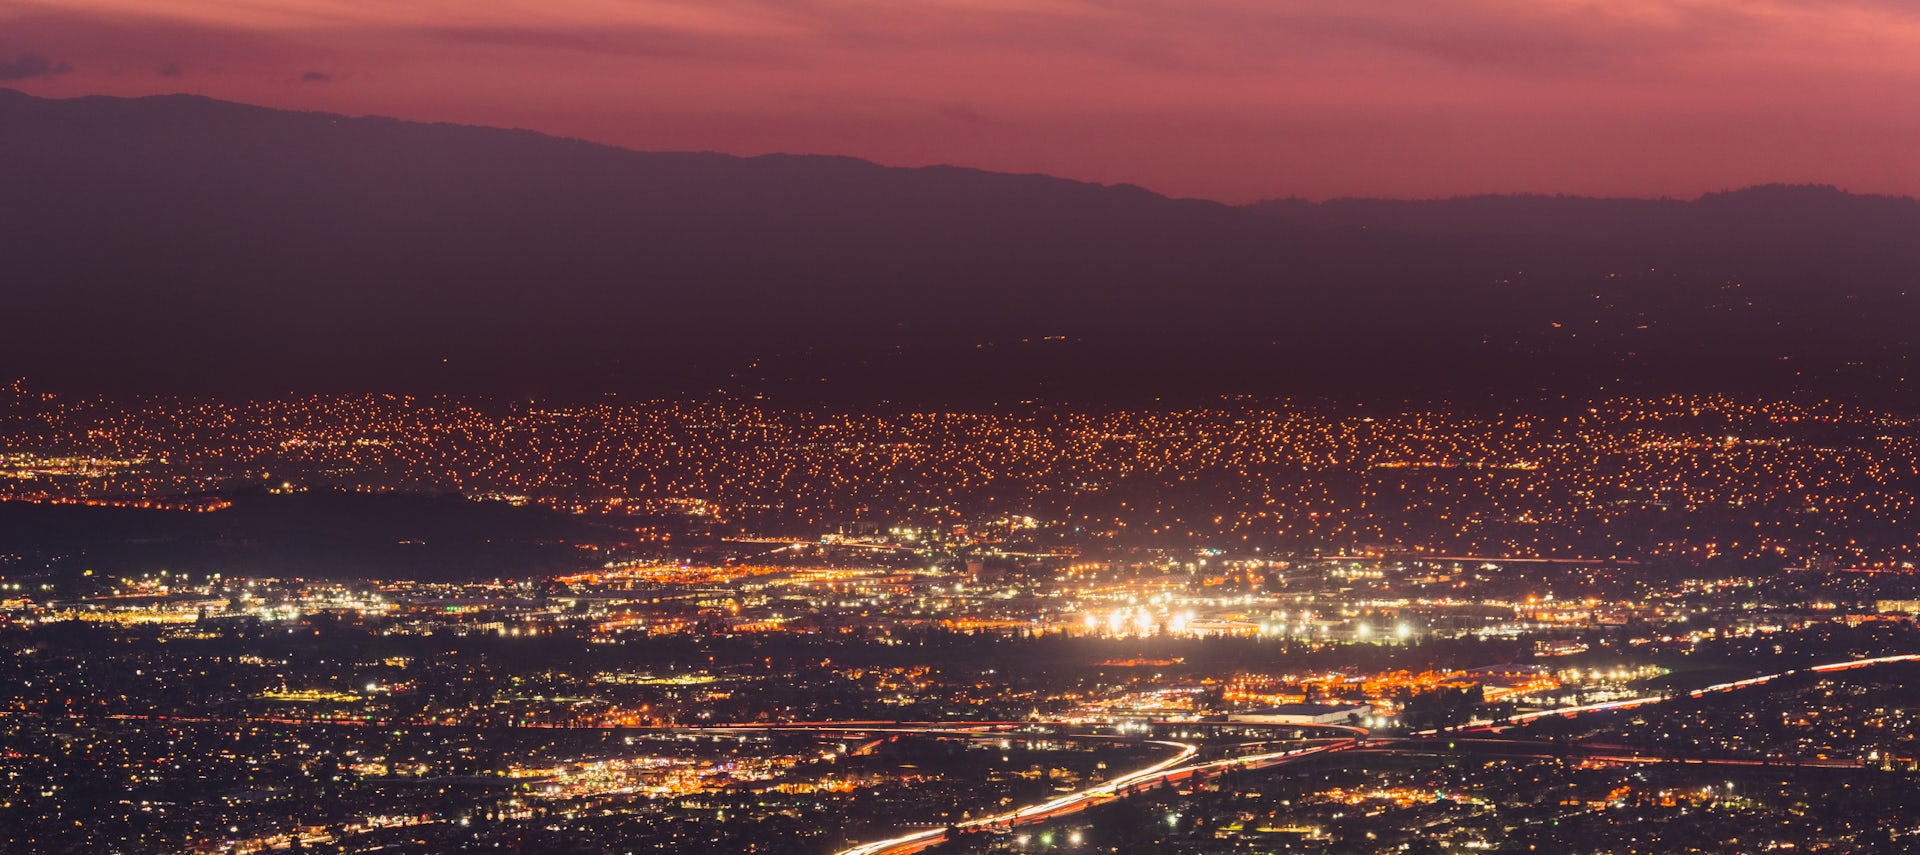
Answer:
(1630, 703)
(1170, 770)
(921, 840)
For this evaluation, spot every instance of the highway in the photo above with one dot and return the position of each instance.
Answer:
(1031, 813)
(1176, 768)
(1476, 559)
(1528, 749)
(1630, 703)
(1171, 770)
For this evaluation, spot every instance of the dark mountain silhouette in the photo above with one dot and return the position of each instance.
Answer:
(184, 244)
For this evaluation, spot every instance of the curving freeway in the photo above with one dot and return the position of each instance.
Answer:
(1179, 768)
(1630, 703)
(1171, 770)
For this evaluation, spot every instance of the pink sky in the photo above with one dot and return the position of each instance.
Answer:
(1226, 99)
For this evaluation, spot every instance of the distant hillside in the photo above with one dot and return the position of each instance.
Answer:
(1865, 235)
(184, 244)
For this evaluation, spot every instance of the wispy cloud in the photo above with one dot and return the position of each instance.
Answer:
(27, 66)
(1228, 98)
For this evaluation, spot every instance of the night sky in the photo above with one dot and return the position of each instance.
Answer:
(1226, 99)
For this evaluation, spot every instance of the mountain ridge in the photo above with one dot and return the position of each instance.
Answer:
(181, 243)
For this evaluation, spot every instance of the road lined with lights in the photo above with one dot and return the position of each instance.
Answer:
(1529, 749)
(1168, 771)
(1630, 703)
(1171, 770)
(1032, 813)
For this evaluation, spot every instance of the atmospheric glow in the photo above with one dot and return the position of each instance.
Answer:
(1229, 99)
